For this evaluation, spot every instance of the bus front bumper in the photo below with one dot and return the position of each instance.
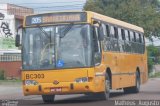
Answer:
(61, 88)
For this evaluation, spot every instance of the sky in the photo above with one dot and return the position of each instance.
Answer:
(156, 42)
(49, 5)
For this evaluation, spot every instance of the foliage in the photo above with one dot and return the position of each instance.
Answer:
(143, 13)
(153, 56)
(150, 64)
(156, 75)
(153, 51)
(2, 77)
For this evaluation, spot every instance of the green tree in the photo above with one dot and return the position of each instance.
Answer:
(153, 56)
(143, 13)
(153, 52)
(2, 77)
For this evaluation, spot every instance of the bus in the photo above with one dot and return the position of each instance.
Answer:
(80, 52)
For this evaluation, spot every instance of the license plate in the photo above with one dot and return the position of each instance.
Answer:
(56, 89)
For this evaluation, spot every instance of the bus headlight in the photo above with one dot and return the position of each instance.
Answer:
(81, 80)
(30, 82)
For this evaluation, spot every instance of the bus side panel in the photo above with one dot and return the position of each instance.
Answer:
(99, 79)
(123, 67)
(110, 60)
(127, 69)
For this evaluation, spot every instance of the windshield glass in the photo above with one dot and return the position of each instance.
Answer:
(52, 47)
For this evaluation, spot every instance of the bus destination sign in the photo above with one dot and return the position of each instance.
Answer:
(51, 18)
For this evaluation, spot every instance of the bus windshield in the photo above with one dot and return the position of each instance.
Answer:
(61, 46)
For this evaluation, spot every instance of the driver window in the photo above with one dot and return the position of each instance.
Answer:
(97, 50)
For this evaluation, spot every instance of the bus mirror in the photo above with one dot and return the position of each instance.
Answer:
(101, 33)
(17, 43)
(17, 39)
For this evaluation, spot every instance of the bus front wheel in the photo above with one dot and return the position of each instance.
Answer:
(48, 98)
(106, 93)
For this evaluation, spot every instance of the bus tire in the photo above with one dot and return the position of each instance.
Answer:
(106, 93)
(48, 98)
(136, 88)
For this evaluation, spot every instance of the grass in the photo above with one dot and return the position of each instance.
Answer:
(156, 75)
(10, 80)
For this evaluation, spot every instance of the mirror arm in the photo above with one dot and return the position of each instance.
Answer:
(17, 39)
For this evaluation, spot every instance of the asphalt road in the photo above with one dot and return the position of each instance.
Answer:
(149, 91)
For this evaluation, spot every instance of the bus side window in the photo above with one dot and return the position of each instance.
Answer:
(137, 38)
(140, 38)
(115, 32)
(126, 35)
(112, 44)
(120, 40)
(140, 43)
(123, 34)
(132, 42)
(143, 40)
(119, 34)
(127, 45)
(95, 39)
(131, 36)
(137, 44)
(134, 36)
(107, 30)
(123, 40)
(143, 43)
(115, 39)
(107, 39)
(97, 49)
(112, 31)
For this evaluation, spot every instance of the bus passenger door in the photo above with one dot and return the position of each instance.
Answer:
(99, 68)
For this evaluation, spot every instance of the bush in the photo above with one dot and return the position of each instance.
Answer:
(150, 65)
(153, 57)
(2, 75)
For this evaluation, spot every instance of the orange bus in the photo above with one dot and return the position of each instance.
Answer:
(81, 52)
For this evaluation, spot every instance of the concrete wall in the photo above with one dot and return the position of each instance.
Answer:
(11, 16)
(7, 29)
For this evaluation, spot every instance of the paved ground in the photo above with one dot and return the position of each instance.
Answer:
(149, 91)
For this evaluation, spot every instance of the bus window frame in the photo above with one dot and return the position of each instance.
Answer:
(107, 30)
(116, 32)
(129, 36)
(56, 25)
(99, 52)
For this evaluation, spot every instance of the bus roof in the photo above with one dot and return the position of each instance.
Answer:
(115, 21)
(104, 18)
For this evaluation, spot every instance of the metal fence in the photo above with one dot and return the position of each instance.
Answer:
(10, 57)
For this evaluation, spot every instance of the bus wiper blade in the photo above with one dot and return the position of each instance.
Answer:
(45, 33)
(66, 30)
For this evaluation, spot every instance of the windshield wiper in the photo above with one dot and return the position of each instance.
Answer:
(66, 30)
(45, 33)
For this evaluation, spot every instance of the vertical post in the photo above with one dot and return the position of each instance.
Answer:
(57, 43)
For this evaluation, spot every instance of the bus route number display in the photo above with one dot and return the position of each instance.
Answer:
(51, 18)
